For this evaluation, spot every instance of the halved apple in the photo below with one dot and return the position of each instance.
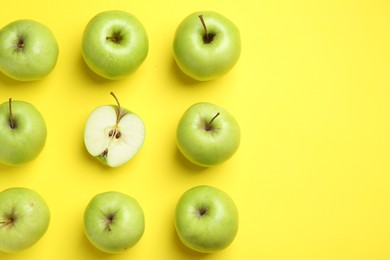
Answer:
(114, 134)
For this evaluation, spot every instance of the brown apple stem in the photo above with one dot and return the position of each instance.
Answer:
(205, 28)
(208, 36)
(11, 117)
(208, 127)
(119, 106)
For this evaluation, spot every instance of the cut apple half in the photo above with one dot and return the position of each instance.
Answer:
(113, 135)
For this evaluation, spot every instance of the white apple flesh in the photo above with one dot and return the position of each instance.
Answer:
(113, 135)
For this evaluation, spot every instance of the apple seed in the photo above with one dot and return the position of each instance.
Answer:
(114, 132)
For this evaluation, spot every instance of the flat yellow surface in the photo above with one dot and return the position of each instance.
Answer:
(311, 92)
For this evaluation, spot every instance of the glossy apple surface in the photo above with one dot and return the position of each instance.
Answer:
(28, 50)
(23, 139)
(207, 134)
(114, 44)
(113, 222)
(206, 50)
(206, 219)
(24, 219)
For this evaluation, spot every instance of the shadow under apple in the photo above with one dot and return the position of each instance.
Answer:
(96, 254)
(5, 168)
(101, 168)
(183, 250)
(178, 74)
(7, 82)
(13, 169)
(4, 255)
(91, 249)
(188, 165)
(94, 162)
(96, 79)
(89, 74)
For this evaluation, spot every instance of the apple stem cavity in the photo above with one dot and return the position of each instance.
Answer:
(110, 218)
(207, 37)
(9, 218)
(19, 44)
(208, 126)
(202, 212)
(116, 37)
(11, 119)
(8, 221)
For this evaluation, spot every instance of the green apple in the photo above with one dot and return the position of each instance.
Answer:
(207, 134)
(28, 50)
(206, 219)
(22, 132)
(113, 221)
(24, 219)
(206, 45)
(114, 44)
(113, 134)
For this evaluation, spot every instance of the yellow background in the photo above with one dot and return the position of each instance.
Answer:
(310, 91)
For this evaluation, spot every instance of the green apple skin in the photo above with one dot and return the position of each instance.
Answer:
(114, 44)
(24, 219)
(207, 144)
(26, 140)
(113, 222)
(28, 50)
(206, 61)
(206, 219)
